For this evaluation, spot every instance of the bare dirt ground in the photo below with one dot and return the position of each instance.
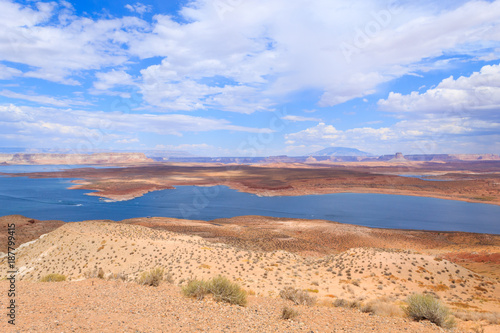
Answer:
(467, 181)
(359, 274)
(112, 306)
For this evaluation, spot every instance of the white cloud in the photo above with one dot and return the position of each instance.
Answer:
(423, 136)
(464, 95)
(276, 48)
(262, 51)
(107, 81)
(7, 73)
(57, 51)
(43, 100)
(126, 141)
(99, 127)
(139, 8)
(299, 118)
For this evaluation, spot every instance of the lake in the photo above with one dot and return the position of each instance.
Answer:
(50, 199)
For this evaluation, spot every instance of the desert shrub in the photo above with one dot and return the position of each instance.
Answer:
(196, 288)
(53, 278)
(299, 297)
(96, 273)
(492, 318)
(169, 278)
(226, 291)
(421, 307)
(343, 303)
(288, 313)
(152, 277)
(382, 307)
(221, 289)
(118, 276)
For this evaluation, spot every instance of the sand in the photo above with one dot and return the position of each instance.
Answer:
(80, 250)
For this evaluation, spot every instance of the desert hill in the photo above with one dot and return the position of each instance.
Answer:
(79, 250)
(27, 229)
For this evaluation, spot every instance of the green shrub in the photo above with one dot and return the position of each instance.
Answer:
(299, 297)
(226, 291)
(421, 307)
(53, 278)
(196, 288)
(152, 277)
(288, 313)
(221, 289)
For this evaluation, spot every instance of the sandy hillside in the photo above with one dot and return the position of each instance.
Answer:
(27, 229)
(113, 306)
(79, 250)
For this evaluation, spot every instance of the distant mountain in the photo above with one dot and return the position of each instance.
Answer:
(340, 151)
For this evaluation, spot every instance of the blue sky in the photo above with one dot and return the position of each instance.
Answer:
(251, 77)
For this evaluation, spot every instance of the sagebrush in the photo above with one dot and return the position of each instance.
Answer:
(152, 277)
(219, 287)
(299, 297)
(427, 307)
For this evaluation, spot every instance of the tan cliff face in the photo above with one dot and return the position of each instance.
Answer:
(96, 158)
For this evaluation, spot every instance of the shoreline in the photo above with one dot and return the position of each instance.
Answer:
(82, 185)
(474, 183)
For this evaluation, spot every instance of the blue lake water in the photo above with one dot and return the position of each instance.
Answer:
(50, 199)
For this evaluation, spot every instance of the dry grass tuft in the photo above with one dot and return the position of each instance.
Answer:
(152, 277)
(299, 297)
(53, 278)
(382, 307)
(219, 287)
(288, 313)
(492, 318)
(343, 303)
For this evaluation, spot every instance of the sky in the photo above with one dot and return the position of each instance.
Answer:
(251, 77)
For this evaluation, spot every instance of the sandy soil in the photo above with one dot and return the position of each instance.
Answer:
(112, 306)
(79, 250)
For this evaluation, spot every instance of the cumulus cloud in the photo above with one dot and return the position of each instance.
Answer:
(263, 50)
(56, 44)
(350, 49)
(108, 80)
(139, 8)
(466, 94)
(421, 136)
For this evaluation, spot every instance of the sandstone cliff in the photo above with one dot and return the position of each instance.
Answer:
(97, 158)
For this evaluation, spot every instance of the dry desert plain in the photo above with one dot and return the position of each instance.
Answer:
(370, 269)
(360, 276)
